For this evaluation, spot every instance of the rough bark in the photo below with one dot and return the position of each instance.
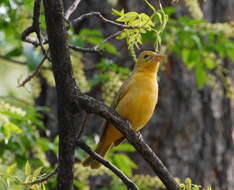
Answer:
(62, 70)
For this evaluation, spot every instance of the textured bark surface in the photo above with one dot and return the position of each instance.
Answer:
(65, 84)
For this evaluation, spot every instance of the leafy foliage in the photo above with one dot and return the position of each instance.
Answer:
(201, 48)
(143, 24)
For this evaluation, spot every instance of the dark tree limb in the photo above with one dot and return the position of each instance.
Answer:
(93, 106)
(35, 28)
(109, 165)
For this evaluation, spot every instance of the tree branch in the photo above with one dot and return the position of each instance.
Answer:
(107, 39)
(19, 62)
(98, 14)
(12, 60)
(32, 75)
(109, 165)
(83, 124)
(35, 28)
(81, 49)
(43, 179)
(72, 9)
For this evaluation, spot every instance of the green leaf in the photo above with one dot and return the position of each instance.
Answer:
(10, 170)
(200, 75)
(37, 172)
(89, 32)
(124, 163)
(124, 147)
(27, 169)
(185, 55)
(13, 128)
(117, 13)
(197, 40)
(130, 16)
(110, 48)
(160, 17)
(209, 63)
(15, 52)
(188, 183)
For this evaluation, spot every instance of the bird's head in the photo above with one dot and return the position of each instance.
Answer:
(148, 61)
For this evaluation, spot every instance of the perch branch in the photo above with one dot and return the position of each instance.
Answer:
(109, 165)
(94, 106)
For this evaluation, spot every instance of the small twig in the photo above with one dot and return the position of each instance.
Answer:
(43, 179)
(122, 26)
(108, 38)
(96, 47)
(29, 77)
(35, 28)
(18, 62)
(25, 33)
(12, 60)
(109, 165)
(83, 124)
(71, 9)
(91, 50)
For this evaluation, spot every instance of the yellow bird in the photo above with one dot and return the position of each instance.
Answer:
(135, 102)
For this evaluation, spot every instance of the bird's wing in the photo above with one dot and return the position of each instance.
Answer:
(119, 95)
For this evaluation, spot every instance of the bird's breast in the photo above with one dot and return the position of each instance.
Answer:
(138, 104)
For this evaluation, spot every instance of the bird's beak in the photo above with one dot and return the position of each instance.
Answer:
(158, 57)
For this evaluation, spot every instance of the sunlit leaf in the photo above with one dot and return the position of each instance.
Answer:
(10, 170)
(27, 169)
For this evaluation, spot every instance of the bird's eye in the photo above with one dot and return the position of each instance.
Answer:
(145, 56)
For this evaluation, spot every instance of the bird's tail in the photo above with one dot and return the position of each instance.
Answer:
(101, 149)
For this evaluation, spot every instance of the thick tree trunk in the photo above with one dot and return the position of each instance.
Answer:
(65, 86)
